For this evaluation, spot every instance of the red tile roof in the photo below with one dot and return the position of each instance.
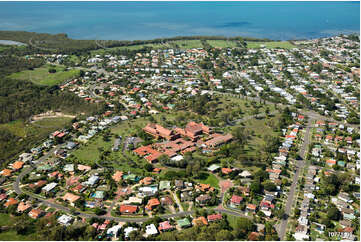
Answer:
(152, 203)
(165, 226)
(199, 221)
(128, 208)
(226, 170)
(214, 217)
(11, 201)
(236, 199)
(18, 165)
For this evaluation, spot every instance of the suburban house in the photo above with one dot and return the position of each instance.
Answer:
(235, 201)
(152, 203)
(128, 209)
(71, 198)
(165, 226)
(214, 217)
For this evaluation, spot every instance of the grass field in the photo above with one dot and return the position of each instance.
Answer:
(222, 43)
(90, 151)
(74, 58)
(232, 220)
(131, 47)
(42, 76)
(208, 178)
(186, 44)
(7, 220)
(52, 122)
(271, 44)
(44, 126)
(182, 44)
(4, 47)
(229, 102)
(13, 236)
(17, 128)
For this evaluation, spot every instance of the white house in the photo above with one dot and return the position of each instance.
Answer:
(65, 220)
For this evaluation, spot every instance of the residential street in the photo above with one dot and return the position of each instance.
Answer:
(282, 226)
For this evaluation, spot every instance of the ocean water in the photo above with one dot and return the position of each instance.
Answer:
(148, 20)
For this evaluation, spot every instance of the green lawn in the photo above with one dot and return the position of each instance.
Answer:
(186, 44)
(131, 47)
(222, 43)
(232, 103)
(89, 152)
(4, 47)
(6, 219)
(208, 178)
(185, 206)
(42, 76)
(74, 58)
(271, 44)
(53, 122)
(232, 220)
(13, 236)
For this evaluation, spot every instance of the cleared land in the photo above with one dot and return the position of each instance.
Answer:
(43, 126)
(186, 44)
(41, 75)
(222, 43)
(130, 47)
(271, 44)
(29, 135)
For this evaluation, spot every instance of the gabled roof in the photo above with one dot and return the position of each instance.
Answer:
(117, 176)
(152, 202)
(11, 201)
(165, 226)
(183, 222)
(18, 165)
(199, 221)
(128, 208)
(35, 213)
(6, 172)
(70, 197)
(23, 206)
(236, 199)
(214, 217)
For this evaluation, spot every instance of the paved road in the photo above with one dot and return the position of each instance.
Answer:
(176, 199)
(29, 169)
(282, 227)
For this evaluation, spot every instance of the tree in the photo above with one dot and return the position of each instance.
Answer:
(333, 213)
(224, 235)
(52, 70)
(148, 167)
(269, 186)
(90, 232)
(240, 134)
(242, 227)
(98, 211)
(256, 187)
(135, 235)
(280, 213)
(23, 225)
